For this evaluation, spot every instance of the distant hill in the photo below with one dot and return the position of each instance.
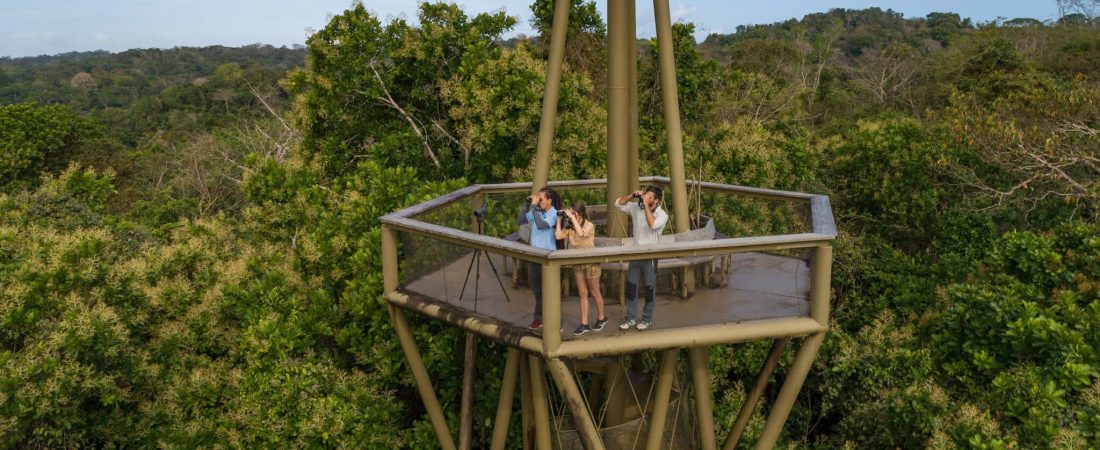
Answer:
(849, 30)
(119, 79)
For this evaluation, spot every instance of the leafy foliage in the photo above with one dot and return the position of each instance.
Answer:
(31, 136)
(189, 237)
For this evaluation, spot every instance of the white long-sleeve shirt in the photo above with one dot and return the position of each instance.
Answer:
(643, 233)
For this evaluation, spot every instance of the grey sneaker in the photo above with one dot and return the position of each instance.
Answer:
(643, 324)
(626, 325)
(598, 326)
(581, 330)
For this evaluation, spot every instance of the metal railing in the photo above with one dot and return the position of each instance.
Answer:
(818, 241)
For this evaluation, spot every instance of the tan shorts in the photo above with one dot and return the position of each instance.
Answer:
(590, 271)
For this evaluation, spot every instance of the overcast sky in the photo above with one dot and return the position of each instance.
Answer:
(36, 27)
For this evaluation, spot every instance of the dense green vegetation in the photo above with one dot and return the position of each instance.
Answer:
(189, 237)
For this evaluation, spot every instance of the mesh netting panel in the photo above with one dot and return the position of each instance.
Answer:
(737, 216)
(481, 282)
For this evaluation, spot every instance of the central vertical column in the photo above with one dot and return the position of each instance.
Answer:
(632, 61)
(620, 45)
(675, 142)
(618, 112)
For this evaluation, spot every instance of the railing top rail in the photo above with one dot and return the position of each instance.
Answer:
(688, 248)
(822, 212)
(747, 191)
(613, 253)
(824, 227)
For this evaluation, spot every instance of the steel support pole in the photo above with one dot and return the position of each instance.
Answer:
(803, 361)
(659, 413)
(550, 95)
(578, 408)
(526, 399)
(540, 403)
(507, 395)
(704, 408)
(820, 281)
(632, 61)
(469, 376)
(673, 133)
(618, 113)
(420, 375)
(757, 391)
(616, 394)
(551, 308)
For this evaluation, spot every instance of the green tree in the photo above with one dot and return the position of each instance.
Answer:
(374, 91)
(32, 138)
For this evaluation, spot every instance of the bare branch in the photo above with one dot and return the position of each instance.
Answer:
(389, 101)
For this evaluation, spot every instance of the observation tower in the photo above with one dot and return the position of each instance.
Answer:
(741, 264)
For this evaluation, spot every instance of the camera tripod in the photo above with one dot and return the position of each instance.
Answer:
(480, 215)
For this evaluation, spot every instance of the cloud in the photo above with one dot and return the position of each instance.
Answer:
(100, 37)
(682, 12)
(36, 37)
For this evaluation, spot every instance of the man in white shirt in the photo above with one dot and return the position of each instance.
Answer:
(649, 221)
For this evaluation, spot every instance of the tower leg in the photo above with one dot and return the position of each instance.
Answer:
(659, 412)
(616, 394)
(578, 408)
(525, 399)
(420, 374)
(704, 409)
(789, 392)
(507, 395)
(469, 375)
(550, 96)
(540, 403)
(754, 395)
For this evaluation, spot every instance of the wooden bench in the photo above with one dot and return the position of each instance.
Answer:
(706, 232)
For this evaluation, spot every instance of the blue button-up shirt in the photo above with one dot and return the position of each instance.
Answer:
(542, 227)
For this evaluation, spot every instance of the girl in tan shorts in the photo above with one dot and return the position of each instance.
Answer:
(582, 234)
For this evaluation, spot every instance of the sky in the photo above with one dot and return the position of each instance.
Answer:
(46, 27)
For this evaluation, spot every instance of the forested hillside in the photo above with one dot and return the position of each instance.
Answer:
(189, 244)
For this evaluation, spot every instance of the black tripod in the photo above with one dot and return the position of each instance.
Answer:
(480, 215)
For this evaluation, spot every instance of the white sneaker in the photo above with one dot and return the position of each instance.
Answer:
(643, 325)
(626, 325)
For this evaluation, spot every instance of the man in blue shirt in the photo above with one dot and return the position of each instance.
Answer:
(539, 211)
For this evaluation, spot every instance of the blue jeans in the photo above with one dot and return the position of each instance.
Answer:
(641, 270)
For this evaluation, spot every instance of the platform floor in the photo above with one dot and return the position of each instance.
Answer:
(759, 286)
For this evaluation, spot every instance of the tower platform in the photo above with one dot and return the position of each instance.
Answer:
(745, 288)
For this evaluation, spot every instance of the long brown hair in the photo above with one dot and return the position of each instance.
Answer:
(582, 214)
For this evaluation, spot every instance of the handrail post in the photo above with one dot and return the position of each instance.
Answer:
(820, 281)
(551, 308)
(389, 259)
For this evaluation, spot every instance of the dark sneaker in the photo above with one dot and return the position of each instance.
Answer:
(535, 324)
(581, 330)
(626, 325)
(598, 326)
(643, 325)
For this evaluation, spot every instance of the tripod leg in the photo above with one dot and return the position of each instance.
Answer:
(477, 276)
(468, 268)
(497, 275)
